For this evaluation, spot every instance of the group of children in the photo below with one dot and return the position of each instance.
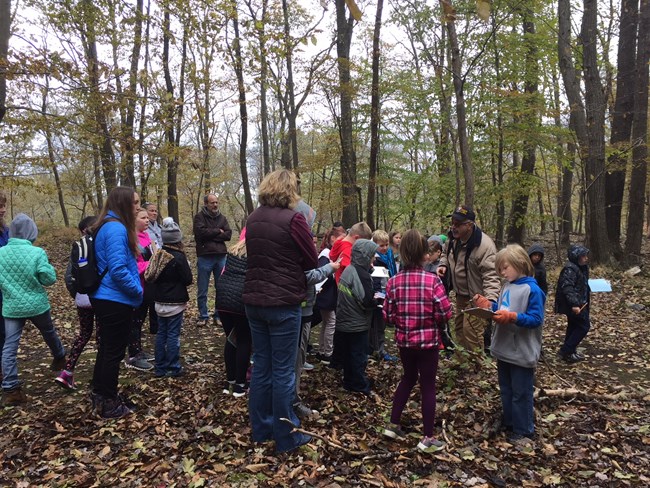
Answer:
(373, 283)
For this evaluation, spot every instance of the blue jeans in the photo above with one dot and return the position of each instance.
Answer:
(168, 345)
(205, 266)
(516, 385)
(275, 332)
(13, 331)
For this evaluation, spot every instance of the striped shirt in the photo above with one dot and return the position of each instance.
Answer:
(416, 303)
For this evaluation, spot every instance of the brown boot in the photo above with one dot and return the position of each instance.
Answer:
(14, 397)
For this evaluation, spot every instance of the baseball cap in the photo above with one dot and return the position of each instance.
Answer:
(462, 213)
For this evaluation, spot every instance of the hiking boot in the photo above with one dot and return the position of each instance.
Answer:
(429, 444)
(65, 380)
(307, 366)
(202, 323)
(239, 390)
(138, 363)
(127, 402)
(394, 431)
(58, 364)
(302, 411)
(14, 397)
(114, 409)
(520, 441)
(217, 322)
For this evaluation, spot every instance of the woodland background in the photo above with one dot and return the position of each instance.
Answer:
(534, 112)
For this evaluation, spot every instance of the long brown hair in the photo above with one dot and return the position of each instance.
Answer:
(120, 202)
(3, 201)
(413, 248)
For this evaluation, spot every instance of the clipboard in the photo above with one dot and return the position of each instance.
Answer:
(484, 313)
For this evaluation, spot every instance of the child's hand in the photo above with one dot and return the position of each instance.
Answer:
(335, 264)
(504, 317)
(482, 302)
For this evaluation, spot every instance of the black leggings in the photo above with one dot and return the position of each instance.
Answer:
(237, 356)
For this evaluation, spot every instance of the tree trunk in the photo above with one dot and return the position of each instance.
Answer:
(461, 116)
(519, 209)
(621, 123)
(348, 156)
(374, 119)
(5, 33)
(639, 173)
(243, 112)
(595, 105)
(291, 114)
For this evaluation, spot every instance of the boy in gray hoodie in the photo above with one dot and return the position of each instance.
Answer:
(354, 315)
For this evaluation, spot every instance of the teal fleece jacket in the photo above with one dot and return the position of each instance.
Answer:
(24, 272)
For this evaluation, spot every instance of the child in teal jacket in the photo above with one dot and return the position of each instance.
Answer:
(24, 272)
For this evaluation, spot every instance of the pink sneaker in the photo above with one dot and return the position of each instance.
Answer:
(65, 380)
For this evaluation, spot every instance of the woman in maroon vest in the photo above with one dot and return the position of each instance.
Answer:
(280, 250)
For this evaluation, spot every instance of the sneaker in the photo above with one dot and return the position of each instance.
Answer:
(58, 364)
(239, 390)
(65, 380)
(217, 322)
(127, 402)
(307, 366)
(579, 355)
(519, 441)
(177, 373)
(114, 409)
(138, 363)
(571, 358)
(302, 411)
(202, 323)
(394, 431)
(389, 357)
(429, 444)
(228, 387)
(146, 356)
(324, 359)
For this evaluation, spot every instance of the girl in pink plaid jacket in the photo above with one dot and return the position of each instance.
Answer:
(417, 304)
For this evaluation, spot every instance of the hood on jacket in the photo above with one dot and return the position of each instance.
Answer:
(362, 252)
(307, 212)
(22, 227)
(575, 251)
(536, 248)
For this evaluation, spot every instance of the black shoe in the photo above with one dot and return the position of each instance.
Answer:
(571, 358)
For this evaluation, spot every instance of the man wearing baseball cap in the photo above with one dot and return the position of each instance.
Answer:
(469, 260)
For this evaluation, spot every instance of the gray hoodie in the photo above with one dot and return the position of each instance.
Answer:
(356, 297)
(22, 227)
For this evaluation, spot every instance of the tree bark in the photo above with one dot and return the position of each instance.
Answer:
(595, 105)
(461, 113)
(350, 213)
(374, 119)
(291, 114)
(519, 209)
(5, 33)
(622, 117)
(243, 112)
(639, 172)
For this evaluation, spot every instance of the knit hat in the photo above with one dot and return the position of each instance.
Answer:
(22, 227)
(171, 232)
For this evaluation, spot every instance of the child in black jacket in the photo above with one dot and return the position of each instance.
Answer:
(536, 255)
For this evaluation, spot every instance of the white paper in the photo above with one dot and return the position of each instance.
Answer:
(600, 285)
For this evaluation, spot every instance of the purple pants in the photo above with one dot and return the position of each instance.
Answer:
(422, 363)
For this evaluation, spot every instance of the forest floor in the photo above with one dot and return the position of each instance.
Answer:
(592, 418)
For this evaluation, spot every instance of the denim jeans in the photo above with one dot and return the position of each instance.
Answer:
(275, 332)
(517, 386)
(168, 345)
(114, 319)
(205, 266)
(13, 331)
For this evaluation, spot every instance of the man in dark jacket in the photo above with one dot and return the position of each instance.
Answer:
(211, 232)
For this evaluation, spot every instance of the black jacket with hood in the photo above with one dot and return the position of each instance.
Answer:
(540, 269)
(573, 284)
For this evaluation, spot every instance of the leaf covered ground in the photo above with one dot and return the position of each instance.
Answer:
(187, 433)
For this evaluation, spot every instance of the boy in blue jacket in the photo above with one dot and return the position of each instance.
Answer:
(516, 339)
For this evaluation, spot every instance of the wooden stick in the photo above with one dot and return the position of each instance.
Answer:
(325, 439)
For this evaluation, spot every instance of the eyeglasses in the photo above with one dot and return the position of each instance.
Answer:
(455, 223)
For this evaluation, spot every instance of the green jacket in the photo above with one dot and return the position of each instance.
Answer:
(24, 271)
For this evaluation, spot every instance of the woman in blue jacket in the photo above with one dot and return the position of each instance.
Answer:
(120, 292)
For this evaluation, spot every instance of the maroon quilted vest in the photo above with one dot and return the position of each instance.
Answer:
(275, 275)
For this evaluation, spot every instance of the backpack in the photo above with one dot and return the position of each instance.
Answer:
(85, 277)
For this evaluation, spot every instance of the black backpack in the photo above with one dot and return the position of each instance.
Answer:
(85, 277)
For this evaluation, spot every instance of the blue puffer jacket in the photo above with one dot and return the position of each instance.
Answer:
(122, 282)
